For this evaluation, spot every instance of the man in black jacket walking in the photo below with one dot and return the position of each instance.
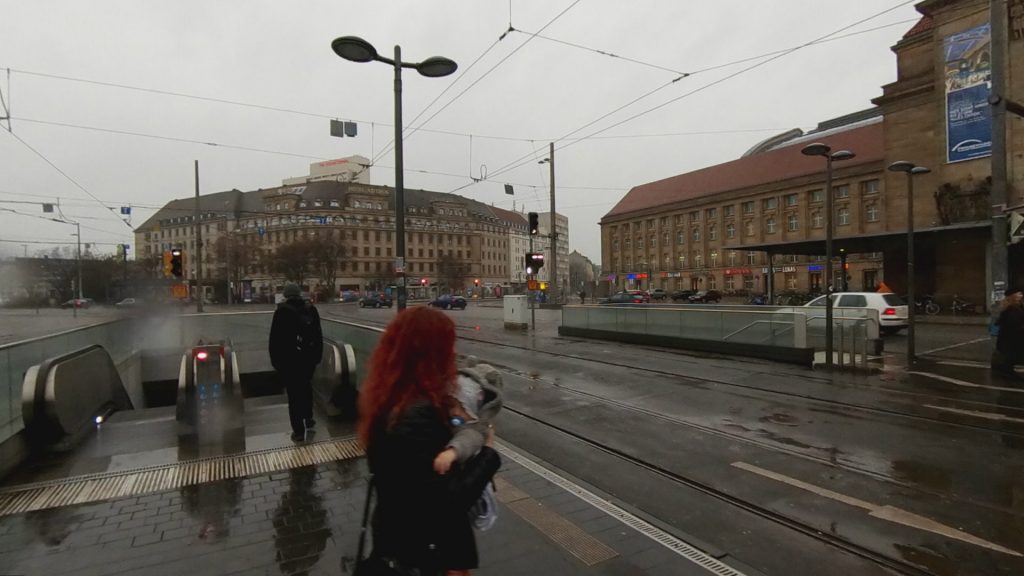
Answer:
(1010, 342)
(296, 345)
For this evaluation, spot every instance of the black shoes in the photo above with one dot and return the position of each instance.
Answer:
(298, 437)
(310, 423)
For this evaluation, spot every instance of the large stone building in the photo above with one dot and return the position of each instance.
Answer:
(758, 222)
(452, 243)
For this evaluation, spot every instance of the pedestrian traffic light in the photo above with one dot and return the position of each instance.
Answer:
(177, 264)
(534, 262)
(534, 223)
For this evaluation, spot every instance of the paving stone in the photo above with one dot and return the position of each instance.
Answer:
(145, 539)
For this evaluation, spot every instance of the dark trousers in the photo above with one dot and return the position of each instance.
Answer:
(300, 403)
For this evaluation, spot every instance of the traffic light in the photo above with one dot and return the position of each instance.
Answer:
(476, 282)
(423, 281)
(534, 262)
(167, 262)
(534, 223)
(177, 263)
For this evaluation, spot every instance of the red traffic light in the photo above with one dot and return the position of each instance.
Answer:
(423, 281)
(476, 281)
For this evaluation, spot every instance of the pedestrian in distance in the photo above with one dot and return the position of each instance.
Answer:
(583, 297)
(421, 518)
(296, 346)
(1010, 340)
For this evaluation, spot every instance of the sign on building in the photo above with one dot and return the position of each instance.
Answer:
(968, 74)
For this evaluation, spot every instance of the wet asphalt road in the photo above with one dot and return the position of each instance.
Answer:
(771, 463)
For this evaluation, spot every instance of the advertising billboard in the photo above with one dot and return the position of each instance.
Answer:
(968, 76)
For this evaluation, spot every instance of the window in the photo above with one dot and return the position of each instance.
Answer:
(844, 216)
(664, 221)
(816, 219)
(713, 260)
(792, 200)
(696, 235)
(698, 260)
(650, 241)
(664, 238)
(682, 262)
(615, 243)
(680, 237)
(769, 225)
(792, 223)
(629, 243)
(712, 232)
(712, 213)
(302, 203)
(770, 203)
(841, 191)
(748, 207)
(869, 187)
(732, 258)
(872, 212)
(712, 283)
(748, 282)
(751, 258)
(729, 211)
(730, 230)
(817, 195)
(695, 216)
(318, 203)
(749, 227)
(334, 204)
(853, 301)
(730, 282)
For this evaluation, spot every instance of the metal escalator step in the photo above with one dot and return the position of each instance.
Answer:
(124, 483)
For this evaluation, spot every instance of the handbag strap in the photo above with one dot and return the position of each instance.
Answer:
(366, 518)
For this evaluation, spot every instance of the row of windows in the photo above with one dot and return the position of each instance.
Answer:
(867, 187)
(871, 214)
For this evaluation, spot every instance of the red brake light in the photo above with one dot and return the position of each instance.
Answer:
(202, 355)
(889, 312)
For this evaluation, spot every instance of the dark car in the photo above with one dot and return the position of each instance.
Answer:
(658, 294)
(77, 303)
(448, 302)
(683, 295)
(708, 297)
(625, 298)
(375, 300)
(641, 293)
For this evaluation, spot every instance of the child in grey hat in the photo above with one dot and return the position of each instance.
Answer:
(477, 400)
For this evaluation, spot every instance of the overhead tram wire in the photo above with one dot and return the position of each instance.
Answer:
(66, 221)
(68, 177)
(522, 161)
(493, 68)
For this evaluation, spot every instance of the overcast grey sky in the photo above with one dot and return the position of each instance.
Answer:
(277, 54)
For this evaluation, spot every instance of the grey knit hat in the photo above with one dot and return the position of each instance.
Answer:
(469, 393)
(291, 290)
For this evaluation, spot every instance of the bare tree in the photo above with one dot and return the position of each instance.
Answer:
(326, 255)
(451, 272)
(293, 261)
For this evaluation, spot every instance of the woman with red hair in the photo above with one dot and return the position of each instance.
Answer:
(421, 519)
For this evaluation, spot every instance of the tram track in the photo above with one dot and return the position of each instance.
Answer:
(896, 565)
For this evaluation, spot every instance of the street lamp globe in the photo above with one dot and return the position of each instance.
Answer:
(816, 149)
(901, 166)
(920, 170)
(354, 48)
(436, 67)
(842, 155)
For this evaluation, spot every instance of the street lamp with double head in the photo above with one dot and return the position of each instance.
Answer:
(819, 149)
(911, 170)
(358, 50)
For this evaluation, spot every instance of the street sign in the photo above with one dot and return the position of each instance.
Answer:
(1016, 227)
(400, 265)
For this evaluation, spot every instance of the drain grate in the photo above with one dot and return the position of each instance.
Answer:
(121, 484)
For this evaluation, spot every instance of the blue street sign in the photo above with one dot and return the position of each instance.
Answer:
(322, 219)
(127, 210)
(261, 230)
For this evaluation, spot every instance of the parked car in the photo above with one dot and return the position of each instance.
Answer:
(642, 293)
(892, 310)
(658, 294)
(683, 295)
(633, 297)
(77, 303)
(129, 303)
(706, 297)
(448, 302)
(375, 300)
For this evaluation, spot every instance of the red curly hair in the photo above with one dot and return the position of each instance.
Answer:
(414, 361)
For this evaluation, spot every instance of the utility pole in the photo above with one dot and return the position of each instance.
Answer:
(199, 248)
(1000, 264)
(532, 294)
(229, 247)
(554, 229)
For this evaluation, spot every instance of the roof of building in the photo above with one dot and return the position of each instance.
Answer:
(924, 24)
(865, 138)
(513, 218)
(228, 202)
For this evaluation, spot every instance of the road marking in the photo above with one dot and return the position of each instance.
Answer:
(889, 513)
(986, 415)
(965, 383)
(950, 347)
(965, 363)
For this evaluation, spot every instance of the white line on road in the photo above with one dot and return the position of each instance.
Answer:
(985, 415)
(890, 513)
(965, 383)
(964, 363)
(950, 347)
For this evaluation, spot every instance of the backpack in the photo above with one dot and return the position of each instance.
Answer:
(307, 341)
(993, 328)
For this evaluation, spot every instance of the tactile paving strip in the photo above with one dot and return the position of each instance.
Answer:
(588, 549)
(121, 484)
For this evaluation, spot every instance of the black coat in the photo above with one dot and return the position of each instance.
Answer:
(1010, 342)
(421, 517)
(286, 355)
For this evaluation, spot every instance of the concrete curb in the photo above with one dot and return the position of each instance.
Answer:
(977, 320)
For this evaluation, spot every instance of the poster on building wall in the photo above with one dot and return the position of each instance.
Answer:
(968, 83)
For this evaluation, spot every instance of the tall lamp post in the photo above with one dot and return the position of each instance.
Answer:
(358, 50)
(819, 149)
(553, 233)
(911, 170)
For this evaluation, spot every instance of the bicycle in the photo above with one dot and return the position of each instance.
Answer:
(960, 305)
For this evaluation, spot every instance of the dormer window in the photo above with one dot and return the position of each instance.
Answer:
(335, 204)
(302, 203)
(318, 203)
